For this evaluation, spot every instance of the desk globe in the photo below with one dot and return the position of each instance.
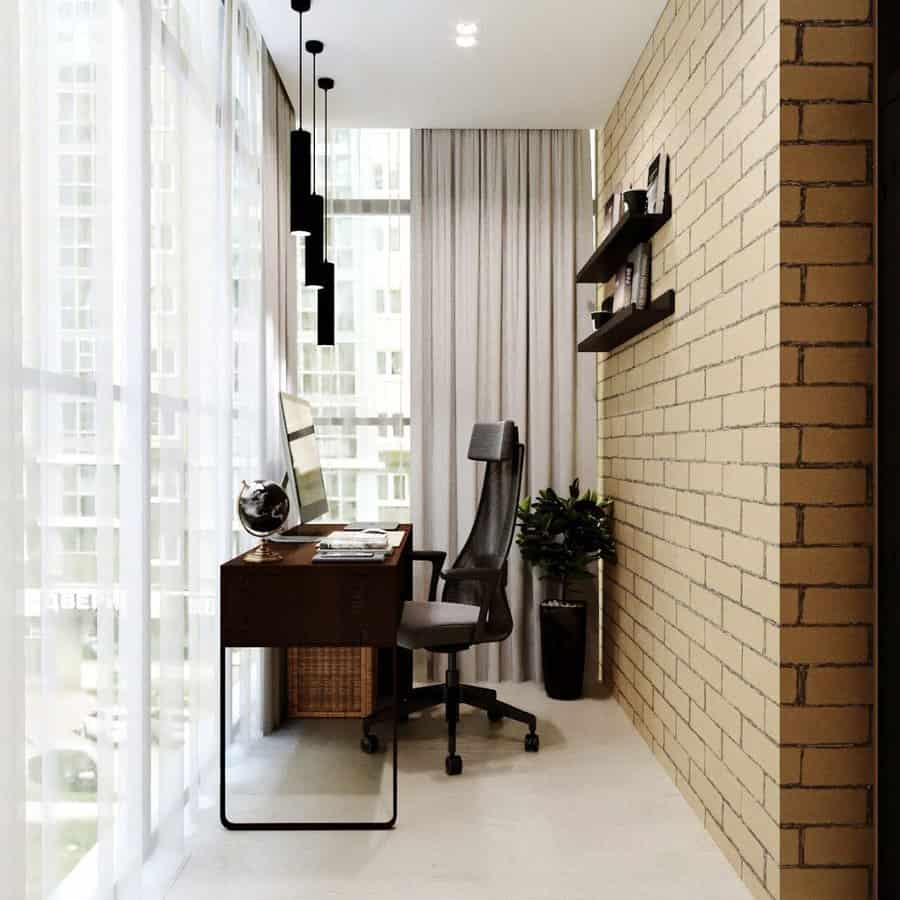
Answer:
(263, 508)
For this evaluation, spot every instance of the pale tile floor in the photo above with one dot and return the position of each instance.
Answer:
(593, 815)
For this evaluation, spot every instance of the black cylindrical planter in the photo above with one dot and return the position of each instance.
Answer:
(562, 649)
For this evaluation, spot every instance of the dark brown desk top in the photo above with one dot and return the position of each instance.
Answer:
(295, 601)
(300, 555)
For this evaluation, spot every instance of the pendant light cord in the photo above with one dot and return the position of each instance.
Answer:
(326, 151)
(315, 149)
(300, 61)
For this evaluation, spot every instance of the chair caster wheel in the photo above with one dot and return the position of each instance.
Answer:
(453, 764)
(532, 742)
(368, 743)
(495, 716)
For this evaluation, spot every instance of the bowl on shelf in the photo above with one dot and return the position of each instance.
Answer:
(601, 317)
(636, 201)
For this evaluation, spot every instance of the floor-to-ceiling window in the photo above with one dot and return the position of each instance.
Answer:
(360, 387)
(137, 331)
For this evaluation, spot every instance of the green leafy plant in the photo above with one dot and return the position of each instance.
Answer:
(561, 536)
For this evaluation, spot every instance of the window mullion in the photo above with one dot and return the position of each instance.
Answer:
(135, 470)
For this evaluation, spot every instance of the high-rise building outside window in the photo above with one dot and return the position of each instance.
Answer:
(360, 388)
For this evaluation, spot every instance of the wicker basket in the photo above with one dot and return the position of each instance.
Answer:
(330, 682)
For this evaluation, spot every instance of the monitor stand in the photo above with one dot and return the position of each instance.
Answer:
(362, 526)
(295, 538)
(302, 534)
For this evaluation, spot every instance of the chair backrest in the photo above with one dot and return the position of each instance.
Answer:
(489, 541)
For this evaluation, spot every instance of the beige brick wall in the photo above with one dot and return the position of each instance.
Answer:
(689, 426)
(736, 437)
(827, 370)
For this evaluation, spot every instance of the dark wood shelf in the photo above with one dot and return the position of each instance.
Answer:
(629, 232)
(627, 323)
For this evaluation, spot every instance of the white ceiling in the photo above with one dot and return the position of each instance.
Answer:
(538, 63)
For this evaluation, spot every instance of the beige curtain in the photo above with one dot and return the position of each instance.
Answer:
(501, 220)
(280, 316)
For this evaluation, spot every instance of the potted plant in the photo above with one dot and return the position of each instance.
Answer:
(561, 536)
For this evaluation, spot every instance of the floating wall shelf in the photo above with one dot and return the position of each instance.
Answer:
(629, 232)
(627, 323)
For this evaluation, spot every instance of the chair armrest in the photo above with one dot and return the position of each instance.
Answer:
(485, 583)
(436, 558)
(472, 574)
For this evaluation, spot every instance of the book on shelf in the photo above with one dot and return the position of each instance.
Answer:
(644, 281)
(639, 260)
(633, 280)
(619, 300)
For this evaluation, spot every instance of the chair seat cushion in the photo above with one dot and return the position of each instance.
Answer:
(436, 624)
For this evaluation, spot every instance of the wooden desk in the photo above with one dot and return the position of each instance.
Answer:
(296, 602)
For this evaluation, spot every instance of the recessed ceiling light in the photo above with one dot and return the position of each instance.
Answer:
(467, 29)
(466, 40)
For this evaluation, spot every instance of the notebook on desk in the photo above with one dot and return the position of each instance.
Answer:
(362, 556)
(343, 546)
(354, 540)
(361, 540)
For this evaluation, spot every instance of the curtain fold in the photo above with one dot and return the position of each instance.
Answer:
(140, 344)
(12, 498)
(279, 356)
(501, 222)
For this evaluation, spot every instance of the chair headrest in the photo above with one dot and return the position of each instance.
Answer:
(493, 441)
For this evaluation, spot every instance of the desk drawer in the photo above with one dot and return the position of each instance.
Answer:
(326, 607)
(330, 682)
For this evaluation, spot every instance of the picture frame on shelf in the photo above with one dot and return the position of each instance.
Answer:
(658, 182)
(612, 212)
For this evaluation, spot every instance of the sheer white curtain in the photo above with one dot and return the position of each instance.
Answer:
(244, 161)
(132, 330)
(12, 499)
(279, 339)
(501, 221)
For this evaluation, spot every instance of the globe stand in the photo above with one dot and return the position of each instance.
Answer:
(264, 553)
(262, 508)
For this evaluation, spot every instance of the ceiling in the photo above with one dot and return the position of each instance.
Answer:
(538, 63)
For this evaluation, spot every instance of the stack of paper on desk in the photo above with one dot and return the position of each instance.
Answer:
(354, 540)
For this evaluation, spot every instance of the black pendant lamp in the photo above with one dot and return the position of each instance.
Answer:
(325, 304)
(301, 159)
(315, 241)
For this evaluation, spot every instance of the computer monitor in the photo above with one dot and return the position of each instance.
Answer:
(304, 468)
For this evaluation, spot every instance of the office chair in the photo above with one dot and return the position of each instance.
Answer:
(473, 608)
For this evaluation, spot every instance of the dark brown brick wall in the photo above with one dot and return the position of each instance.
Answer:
(827, 210)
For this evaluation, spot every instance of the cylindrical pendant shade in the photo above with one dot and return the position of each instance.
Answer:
(301, 162)
(315, 244)
(325, 308)
(325, 312)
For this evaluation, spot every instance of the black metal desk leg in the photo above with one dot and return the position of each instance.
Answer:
(396, 699)
(223, 817)
(298, 826)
